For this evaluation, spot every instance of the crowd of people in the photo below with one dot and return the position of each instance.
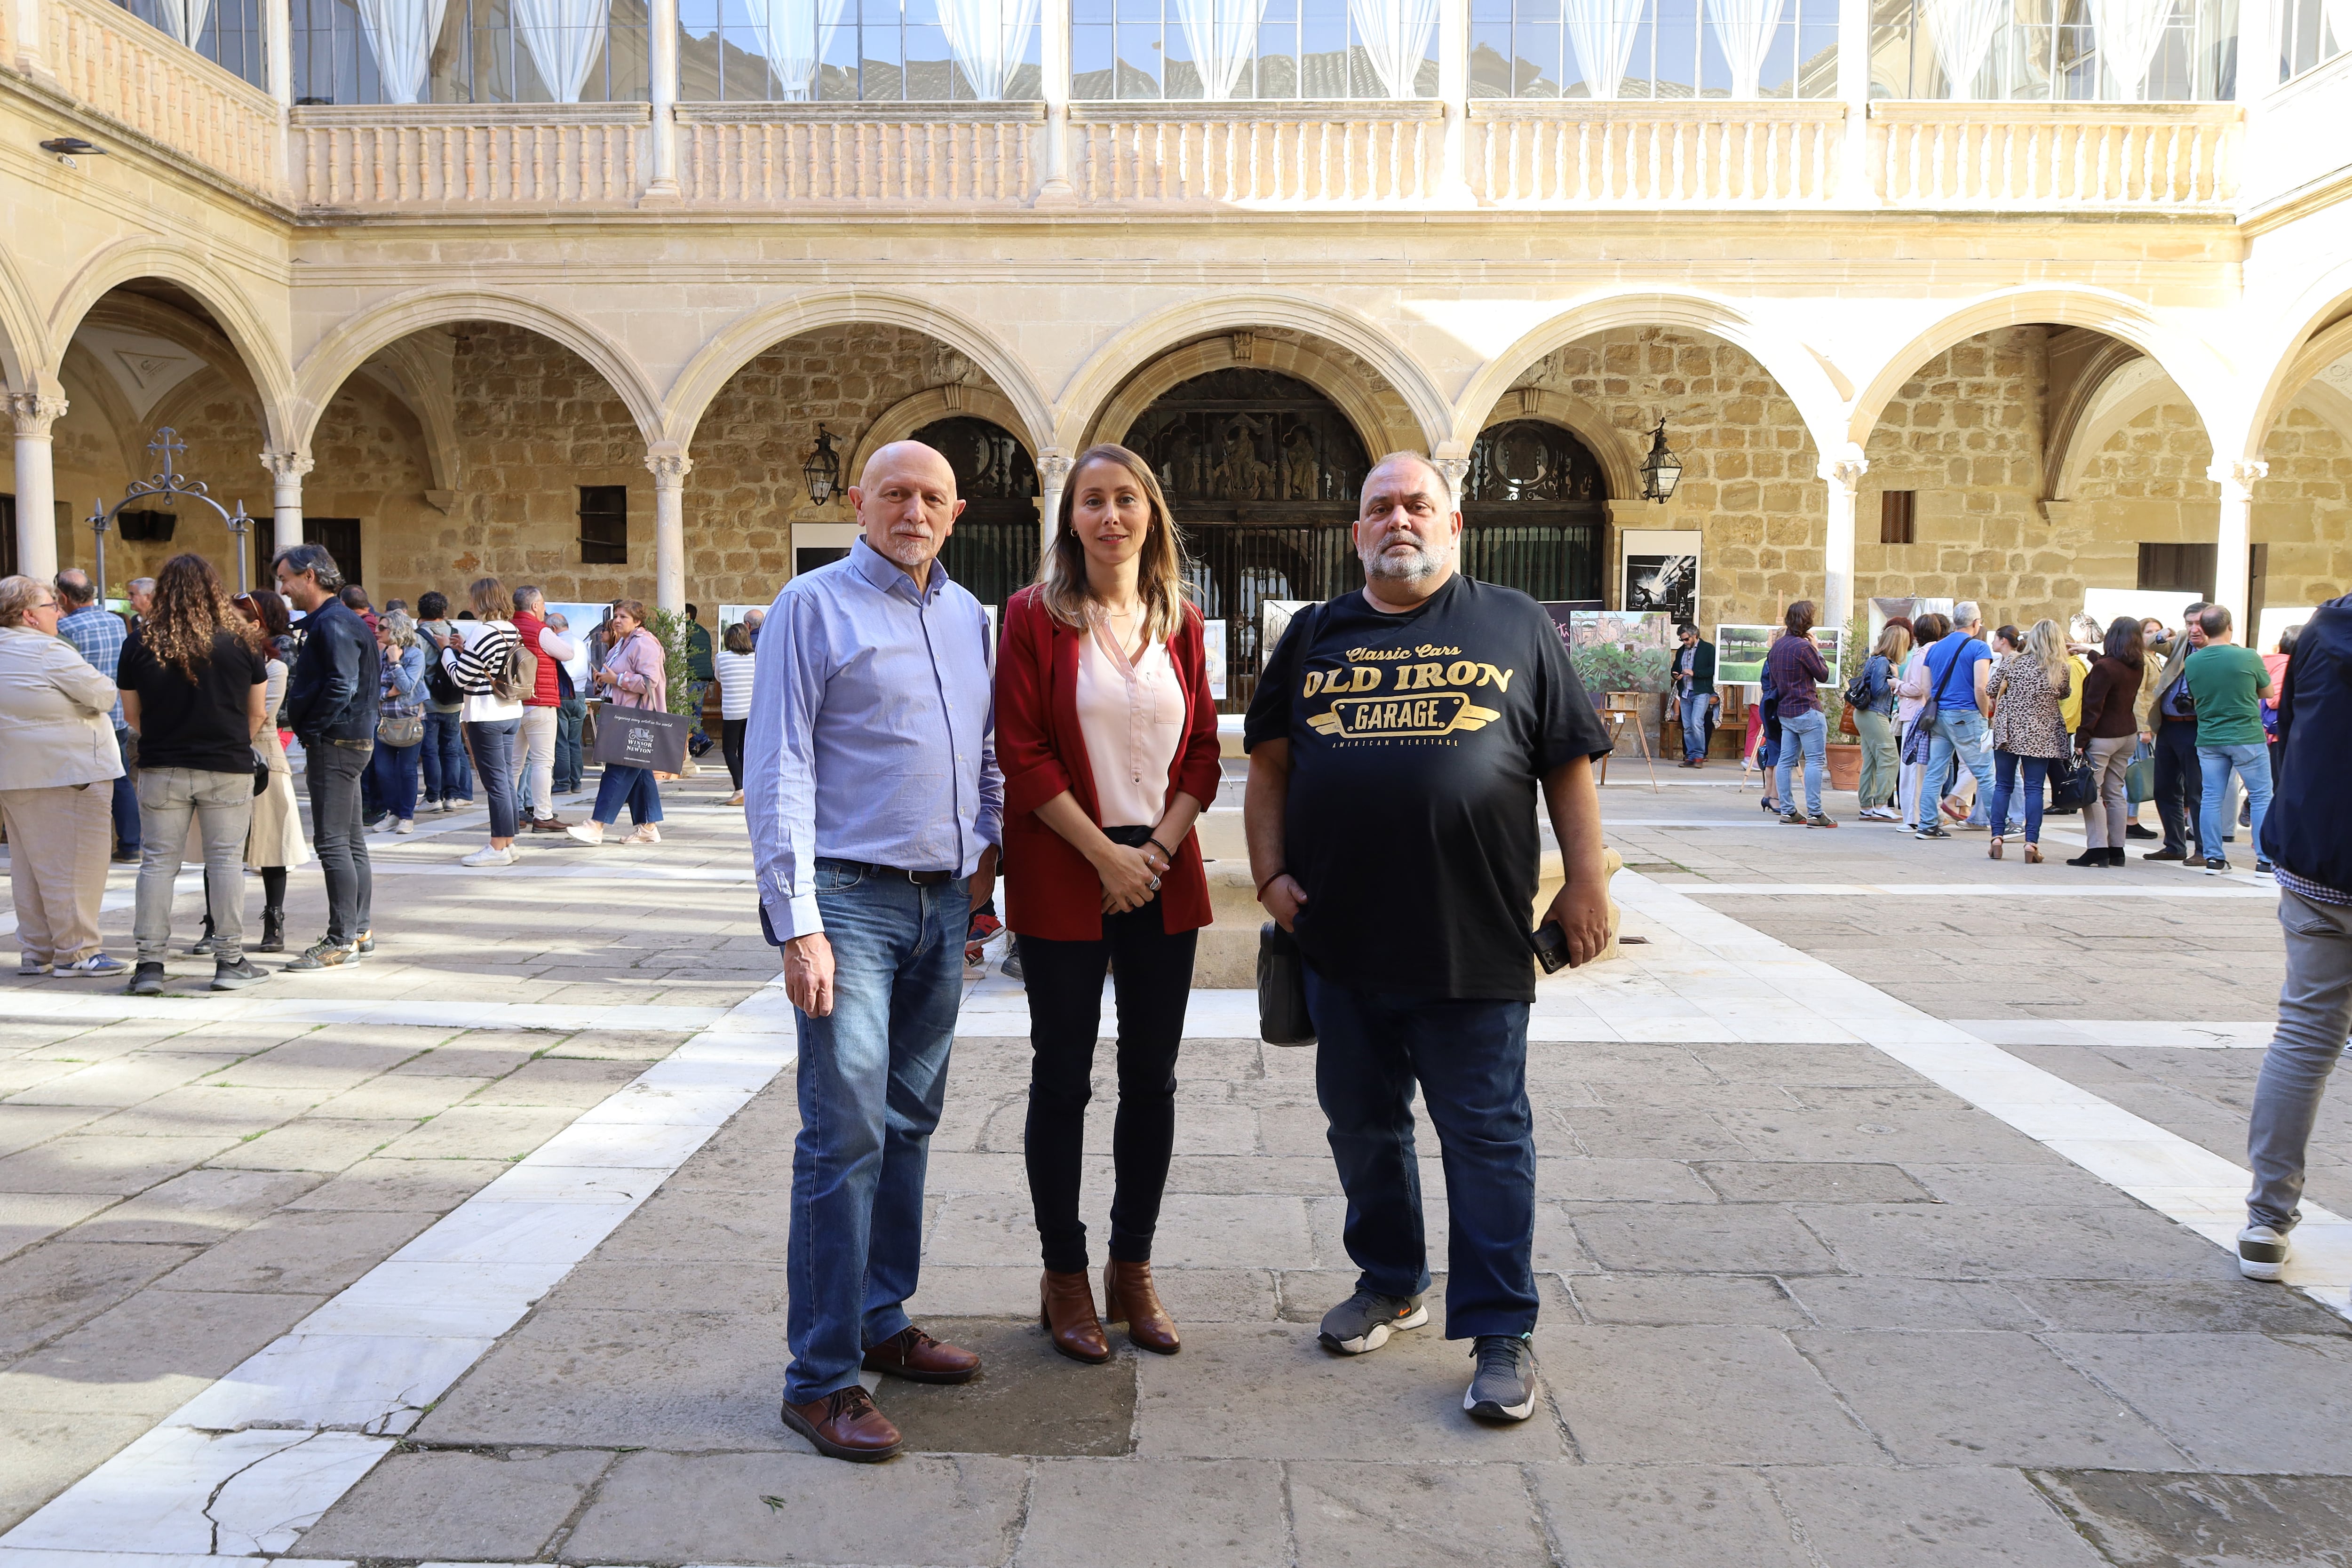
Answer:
(171, 735)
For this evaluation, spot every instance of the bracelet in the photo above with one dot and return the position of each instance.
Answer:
(1165, 853)
(1269, 881)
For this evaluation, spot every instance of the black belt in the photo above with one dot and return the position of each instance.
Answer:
(920, 879)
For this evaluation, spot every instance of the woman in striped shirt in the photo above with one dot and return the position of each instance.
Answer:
(476, 654)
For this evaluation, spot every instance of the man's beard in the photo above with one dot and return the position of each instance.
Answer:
(907, 550)
(1421, 565)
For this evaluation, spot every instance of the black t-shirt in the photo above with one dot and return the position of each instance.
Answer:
(1417, 743)
(193, 724)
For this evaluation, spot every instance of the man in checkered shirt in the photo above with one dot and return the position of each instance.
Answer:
(97, 634)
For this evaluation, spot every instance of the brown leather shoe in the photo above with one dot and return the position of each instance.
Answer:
(915, 1356)
(1065, 1305)
(844, 1425)
(1129, 1298)
(549, 825)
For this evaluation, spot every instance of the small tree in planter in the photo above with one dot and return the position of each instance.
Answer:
(1845, 751)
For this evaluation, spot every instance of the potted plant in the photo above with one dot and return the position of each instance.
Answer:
(1845, 743)
(668, 627)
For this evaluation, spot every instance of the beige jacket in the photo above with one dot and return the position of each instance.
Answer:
(56, 711)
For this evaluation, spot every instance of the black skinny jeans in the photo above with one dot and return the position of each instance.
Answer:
(1153, 981)
(730, 744)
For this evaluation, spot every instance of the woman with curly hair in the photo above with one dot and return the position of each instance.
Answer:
(195, 679)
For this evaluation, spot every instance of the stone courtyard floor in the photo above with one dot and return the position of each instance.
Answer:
(1884, 1189)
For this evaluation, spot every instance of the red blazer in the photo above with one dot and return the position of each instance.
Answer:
(1051, 889)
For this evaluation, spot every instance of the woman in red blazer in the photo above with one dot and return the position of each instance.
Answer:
(1107, 736)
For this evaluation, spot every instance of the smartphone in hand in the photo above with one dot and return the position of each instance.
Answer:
(1550, 945)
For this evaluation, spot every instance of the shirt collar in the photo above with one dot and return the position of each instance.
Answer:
(887, 575)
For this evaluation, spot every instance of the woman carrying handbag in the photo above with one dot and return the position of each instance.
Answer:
(635, 674)
(1107, 735)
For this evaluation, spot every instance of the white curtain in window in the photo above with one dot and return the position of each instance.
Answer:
(1744, 30)
(1964, 30)
(1603, 32)
(2339, 22)
(987, 38)
(564, 38)
(1395, 37)
(1223, 35)
(184, 19)
(795, 35)
(401, 34)
(2129, 32)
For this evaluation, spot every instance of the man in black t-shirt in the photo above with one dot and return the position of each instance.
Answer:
(1397, 741)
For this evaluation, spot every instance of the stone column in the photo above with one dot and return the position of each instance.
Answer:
(2233, 556)
(285, 471)
(37, 484)
(669, 467)
(1054, 57)
(1454, 469)
(1856, 187)
(1844, 472)
(1053, 473)
(278, 50)
(1453, 87)
(661, 20)
(25, 20)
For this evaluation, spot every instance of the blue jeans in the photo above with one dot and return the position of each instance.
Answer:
(1959, 734)
(1697, 711)
(2253, 764)
(1470, 1057)
(2004, 768)
(493, 746)
(872, 1075)
(1808, 733)
(126, 799)
(446, 776)
(570, 716)
(2314, 1013)
(393, 768)
(634, 786)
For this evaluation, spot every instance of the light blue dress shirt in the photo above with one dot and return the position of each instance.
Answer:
(871, 732)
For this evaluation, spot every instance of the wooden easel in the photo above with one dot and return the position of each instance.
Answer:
(1623, 711)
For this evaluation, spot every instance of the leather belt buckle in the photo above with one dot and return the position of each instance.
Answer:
(928, 879)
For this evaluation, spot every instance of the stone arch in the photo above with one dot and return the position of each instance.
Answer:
(342, 352)
(1803, 375)
(1618, 460)
(258, 350)
(26, 358)
(903, 418)
(2314, 354)
(2123, 395)
(2313, 330)
(1379, 428)
(2187, 360)
(744, 338)
(1112, 369)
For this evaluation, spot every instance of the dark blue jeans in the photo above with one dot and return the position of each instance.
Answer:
(872, 1075)
(493, 746)
(394, 769)
(1470, 1058)
(570, 716)
(446, 774)
(2004, 773)
(126, 799)
(632, 786)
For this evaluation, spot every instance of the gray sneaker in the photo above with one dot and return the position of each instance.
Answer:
(2261, 1253)
(1503, 1387)
(1365, 1320)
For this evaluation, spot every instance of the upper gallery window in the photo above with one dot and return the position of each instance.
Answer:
(470, 51)
(225, 32)
(858, 51)
(2311, 32)
(1653, 48)
(1218, 50)
(2113, 51)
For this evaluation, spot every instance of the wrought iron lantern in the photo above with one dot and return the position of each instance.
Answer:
(1660, 471)
(167, 485)
(823, 469)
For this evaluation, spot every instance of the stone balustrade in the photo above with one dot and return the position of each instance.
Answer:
(772, 155)
(531, 156)
(2167, 156)
(139, 78)
(1269, 154)
(1656, 154)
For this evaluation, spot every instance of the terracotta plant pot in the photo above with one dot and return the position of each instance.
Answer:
(1846, 767)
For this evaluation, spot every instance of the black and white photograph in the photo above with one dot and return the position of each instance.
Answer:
(1663, 583)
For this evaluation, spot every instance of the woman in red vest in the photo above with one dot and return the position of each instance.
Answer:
(1107, 736)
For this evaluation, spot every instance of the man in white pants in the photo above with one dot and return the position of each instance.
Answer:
(541, 714)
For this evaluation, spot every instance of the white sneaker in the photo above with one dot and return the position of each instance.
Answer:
(405, 825)
(487, 855)
(646, 833)
(589, 832)
(2261, 1253)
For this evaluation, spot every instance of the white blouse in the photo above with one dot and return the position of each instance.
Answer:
(1132, 716)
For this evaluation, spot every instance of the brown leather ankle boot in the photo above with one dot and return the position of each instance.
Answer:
(1065, 1305)
(1129, 1298)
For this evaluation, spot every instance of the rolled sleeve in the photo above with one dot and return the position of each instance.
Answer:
(780, 764)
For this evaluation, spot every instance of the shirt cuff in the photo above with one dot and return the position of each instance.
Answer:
(791, 916)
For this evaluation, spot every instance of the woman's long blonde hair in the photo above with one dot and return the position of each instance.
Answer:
(2046, 641)
(1062, 584)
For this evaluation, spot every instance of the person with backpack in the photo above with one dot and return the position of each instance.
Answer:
(448, 780)
(636, 675)
(1870, 697)
(1960, 677)
(485, 656)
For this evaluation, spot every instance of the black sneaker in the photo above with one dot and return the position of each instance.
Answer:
(325, 953)
(2134, 830)
(237, 977)
(1933, 832)
(2261, 1253)
(2264, 869)
(2215, 867)
(147, 980)
(1364, 1320)
(1503, 1387)
(2165, 855)
(365, 940)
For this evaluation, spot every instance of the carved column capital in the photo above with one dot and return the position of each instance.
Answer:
(1845, 467)
(1054, 467)
(1455, 470)
(35, 412)
(669, 467)
(288, 467)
